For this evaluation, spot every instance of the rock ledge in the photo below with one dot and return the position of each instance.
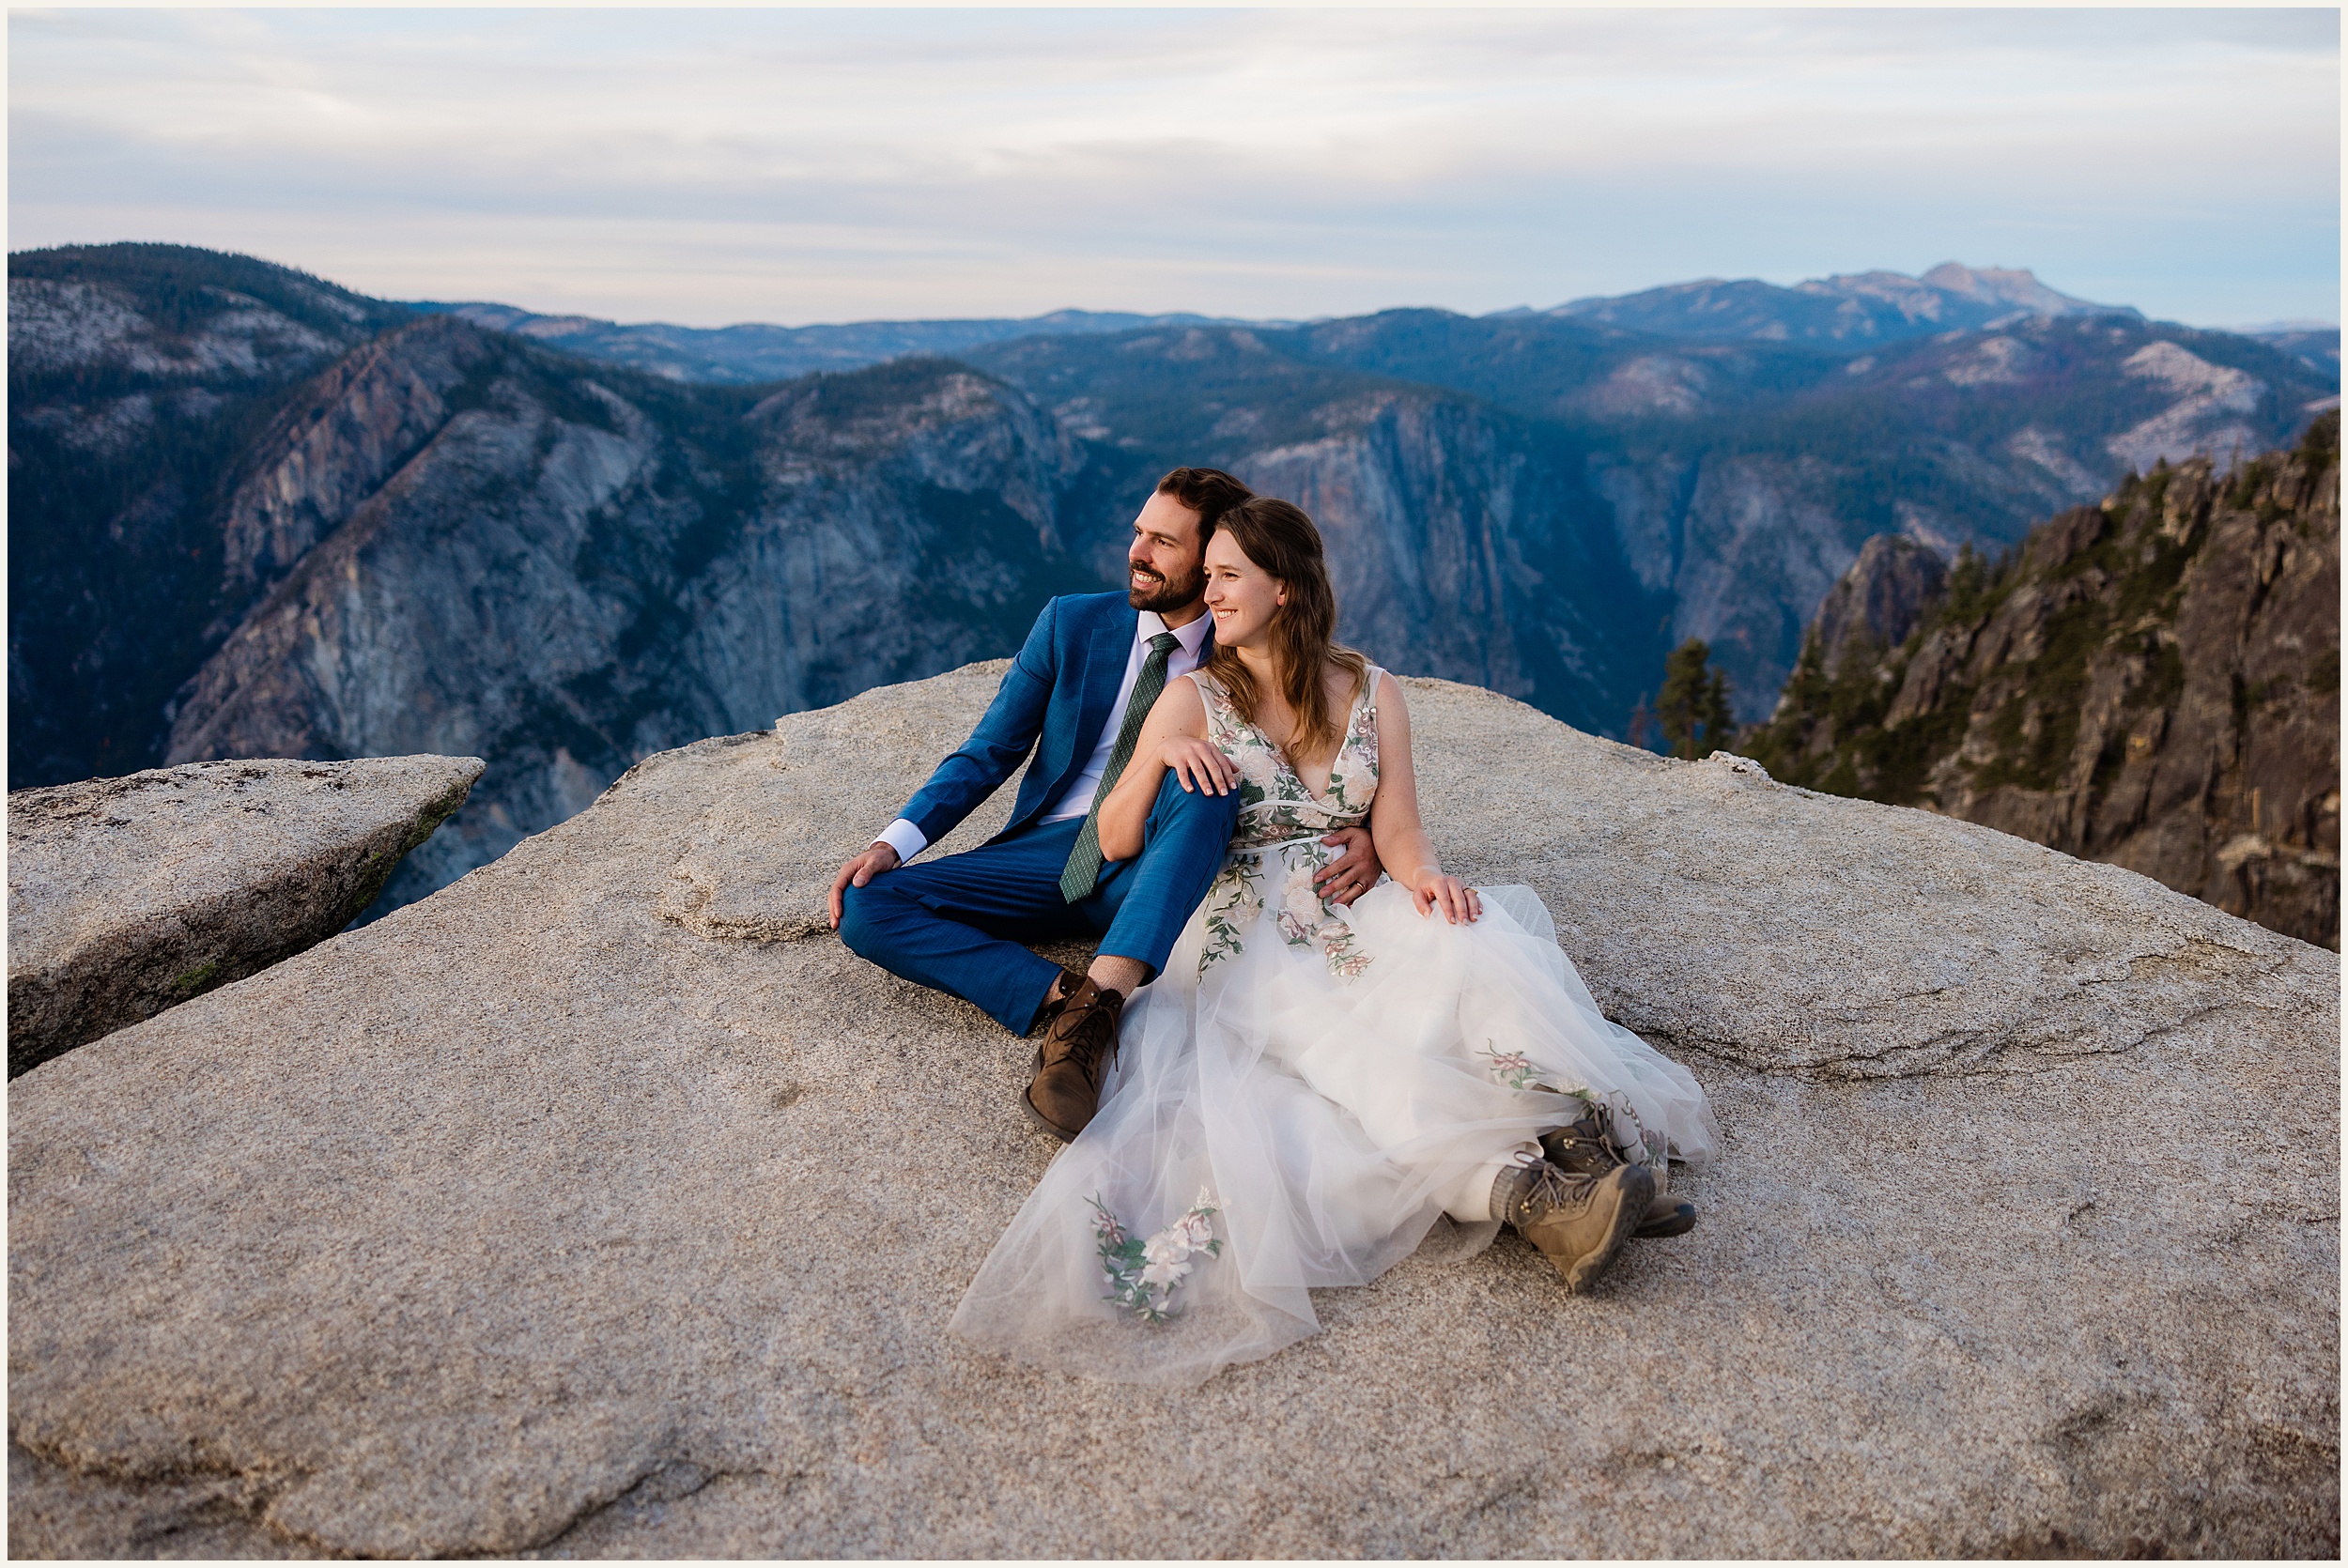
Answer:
(529, 1219)
(128, 895)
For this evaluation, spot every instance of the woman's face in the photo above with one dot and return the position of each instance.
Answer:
(1241, 595)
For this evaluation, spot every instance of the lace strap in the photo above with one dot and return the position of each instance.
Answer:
(1222, 712)
(1213, 692)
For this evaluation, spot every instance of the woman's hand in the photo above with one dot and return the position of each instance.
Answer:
(1456, 898)
(1199, 764)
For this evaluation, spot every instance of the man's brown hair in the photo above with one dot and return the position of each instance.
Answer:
(1209, 492)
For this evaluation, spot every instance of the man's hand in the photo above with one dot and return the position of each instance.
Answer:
(863, 869)
(1352, 873)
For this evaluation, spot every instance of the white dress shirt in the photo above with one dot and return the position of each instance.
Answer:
(908, 840)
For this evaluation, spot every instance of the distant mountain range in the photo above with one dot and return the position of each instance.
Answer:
(1854, 309)
(1858, 308)
(258, 513)
(754, 352)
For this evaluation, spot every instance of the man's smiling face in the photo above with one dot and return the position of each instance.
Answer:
(1162, 569)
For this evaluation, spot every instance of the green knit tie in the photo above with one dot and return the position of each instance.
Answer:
(1084, 862)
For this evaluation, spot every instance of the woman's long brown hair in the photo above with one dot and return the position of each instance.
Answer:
(1282, 541)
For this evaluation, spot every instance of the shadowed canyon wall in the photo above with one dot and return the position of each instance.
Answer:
(258, 514)
(2153, 682)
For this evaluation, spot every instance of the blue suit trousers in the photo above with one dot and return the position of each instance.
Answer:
(960, 924)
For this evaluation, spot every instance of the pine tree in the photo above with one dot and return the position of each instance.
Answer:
(1693, 707)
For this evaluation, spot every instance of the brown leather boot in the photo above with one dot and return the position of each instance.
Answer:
(1079, 1043)
(1579, 1222)
(1581, 1149)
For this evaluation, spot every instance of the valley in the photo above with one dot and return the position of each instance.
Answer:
(259, 515)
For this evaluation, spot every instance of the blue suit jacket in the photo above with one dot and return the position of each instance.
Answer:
(1058, 692)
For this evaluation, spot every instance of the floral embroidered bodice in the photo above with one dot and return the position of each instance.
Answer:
(1275, 804)
(1281, 824)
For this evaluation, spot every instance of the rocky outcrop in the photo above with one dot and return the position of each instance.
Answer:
(1743, 477)
(2153, 681)
(140, 378)
(563, 578)
(534, 1218)
(1876, 604)
(128, 895)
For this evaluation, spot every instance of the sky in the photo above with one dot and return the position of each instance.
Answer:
(804, 165)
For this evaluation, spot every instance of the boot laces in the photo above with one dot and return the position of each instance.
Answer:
(1091, 1041)
(1583, 1141)
(1551, 1188)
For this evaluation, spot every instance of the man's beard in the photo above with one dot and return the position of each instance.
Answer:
(1167, 593)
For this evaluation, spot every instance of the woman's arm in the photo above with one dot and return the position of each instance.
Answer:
(1395, 826)
(1173, 736)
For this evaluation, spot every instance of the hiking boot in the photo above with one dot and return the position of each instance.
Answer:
(1581, 1149)
(1579, 1222)
(1079, 1043)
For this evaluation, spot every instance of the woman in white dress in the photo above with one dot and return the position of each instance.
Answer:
(1307, 1089)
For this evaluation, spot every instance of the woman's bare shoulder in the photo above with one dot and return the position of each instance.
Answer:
(1182, 703)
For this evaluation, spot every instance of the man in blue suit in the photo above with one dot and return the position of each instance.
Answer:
(1075, 696)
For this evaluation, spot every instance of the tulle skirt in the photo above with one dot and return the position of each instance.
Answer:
(1298, 1098)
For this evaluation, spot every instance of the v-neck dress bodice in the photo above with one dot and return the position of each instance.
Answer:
(1275, 803)
(1277, 844)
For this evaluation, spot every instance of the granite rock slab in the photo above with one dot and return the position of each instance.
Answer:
(603, 1205)
(128, 895)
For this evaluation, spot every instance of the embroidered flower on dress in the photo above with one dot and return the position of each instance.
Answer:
(1232, 899)
(1344, 950)
(1279, 815)
(1512, 1068)
(1142, 1274)
(1256, 767)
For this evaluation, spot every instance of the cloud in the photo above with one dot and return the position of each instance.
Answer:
(703, 166)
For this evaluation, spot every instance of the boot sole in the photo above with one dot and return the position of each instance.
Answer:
(1661, 1230)
(1037, 1116)
(1586, 1270)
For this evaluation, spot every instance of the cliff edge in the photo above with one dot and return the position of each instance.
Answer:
(602, 1204)
(2153, 681)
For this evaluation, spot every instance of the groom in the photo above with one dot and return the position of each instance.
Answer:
(1081, 687)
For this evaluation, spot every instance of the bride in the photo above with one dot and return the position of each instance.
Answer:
(1306, 1089)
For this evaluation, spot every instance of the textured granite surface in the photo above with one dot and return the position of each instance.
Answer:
(128, 895)
(550, 1214)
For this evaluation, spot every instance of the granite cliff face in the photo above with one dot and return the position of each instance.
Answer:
(1744, 476)
(2153, 682)
(495, 555)
(564, 566)
(1877, 603)
(541, 1216)
(1464, 543)
(139, 378)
